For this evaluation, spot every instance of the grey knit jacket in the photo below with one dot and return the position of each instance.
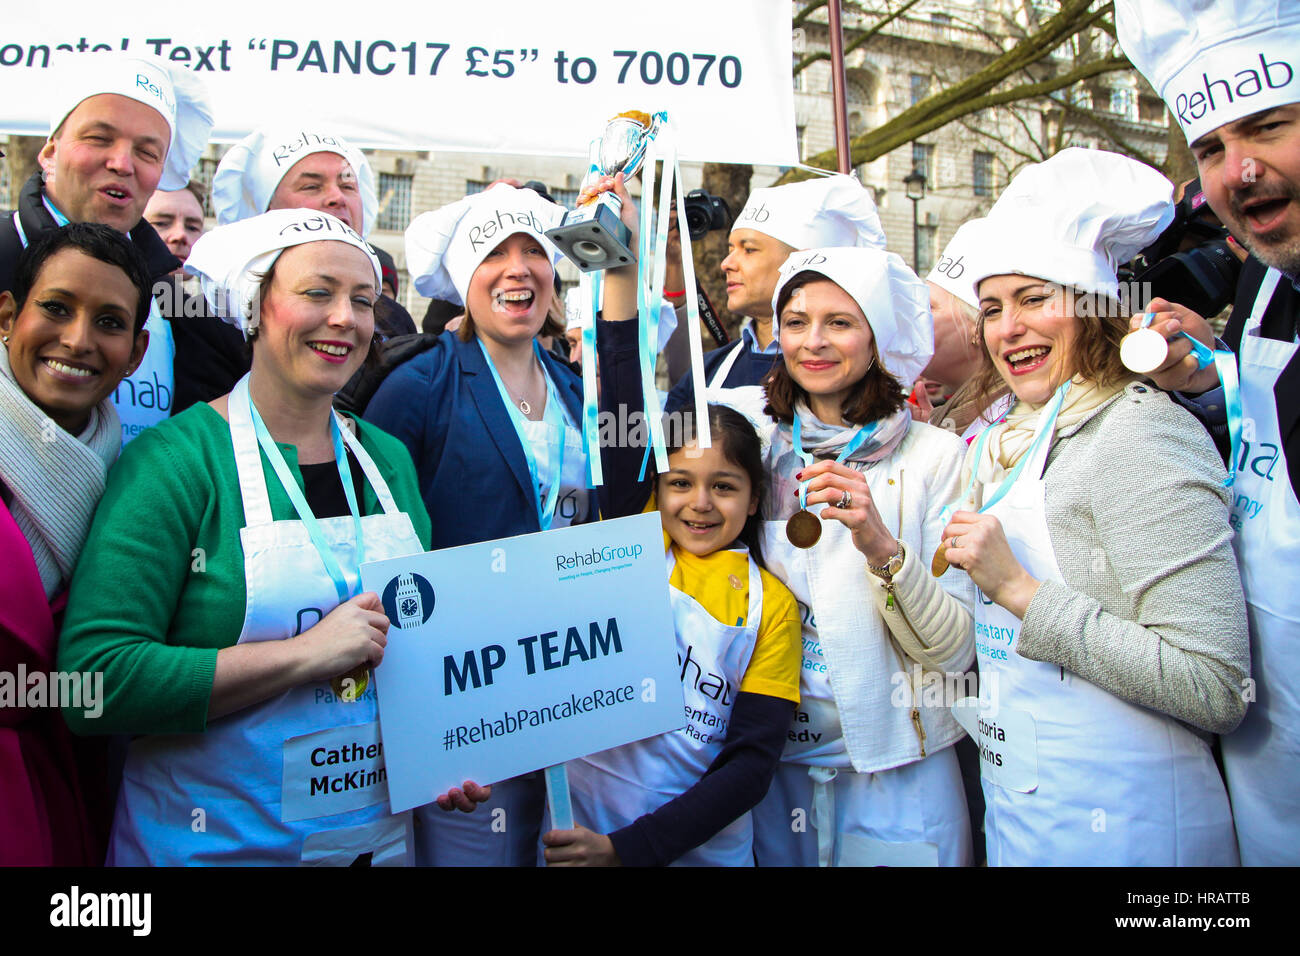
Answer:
(1151, 607)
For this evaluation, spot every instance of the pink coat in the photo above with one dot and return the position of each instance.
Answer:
(53, 800)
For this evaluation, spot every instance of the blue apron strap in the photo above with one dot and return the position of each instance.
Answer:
(554, 416)
(1046, 426)
(300, 505)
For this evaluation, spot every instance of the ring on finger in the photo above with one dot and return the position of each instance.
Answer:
(845, 502)
(953, 542)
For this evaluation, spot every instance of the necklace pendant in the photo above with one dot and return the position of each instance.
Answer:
(803, 529)
(525, 407)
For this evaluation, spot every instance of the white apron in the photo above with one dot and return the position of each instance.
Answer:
(1072, 775)
(1262, 756)
(144, 398)
(819, 811)
(613, 788)
(298, 779)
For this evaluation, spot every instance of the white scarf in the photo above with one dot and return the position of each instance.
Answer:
(823, 441)
(56, 478)
(827, 441)
(1008, 442)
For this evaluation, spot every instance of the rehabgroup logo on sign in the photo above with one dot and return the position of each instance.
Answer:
(408, 600)
(607, 555)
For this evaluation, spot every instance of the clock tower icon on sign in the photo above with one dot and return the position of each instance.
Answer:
(408, 600)
(410, 612)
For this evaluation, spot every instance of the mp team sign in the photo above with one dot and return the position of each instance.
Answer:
(512, 76)
(512, 655)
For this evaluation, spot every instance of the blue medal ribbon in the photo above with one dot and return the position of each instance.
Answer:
(1046, 428)
(1225, 363)
(272, 452)
(553, 416)
(590, 284)
(864, 432)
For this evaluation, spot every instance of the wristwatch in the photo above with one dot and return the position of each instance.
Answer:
(890, 567)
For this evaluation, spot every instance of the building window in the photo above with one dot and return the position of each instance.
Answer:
(801, 141)
(920, 87)
(1151, 109)
(982, 173)
(798, 77)
(394, 202)
(1121, 102)
(941, 19)
(925, 236)
(473, 186)
(568, 198)
(923, 161)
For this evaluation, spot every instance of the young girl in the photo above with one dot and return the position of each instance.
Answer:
(684, 796)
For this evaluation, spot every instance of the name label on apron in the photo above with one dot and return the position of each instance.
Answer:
(333, 771)
(858, 850)
(1007, 741)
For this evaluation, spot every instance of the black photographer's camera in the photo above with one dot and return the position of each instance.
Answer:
(704, 213)
(1191, 262)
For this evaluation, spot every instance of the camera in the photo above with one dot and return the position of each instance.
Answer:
(1191, 262)
(704, 213)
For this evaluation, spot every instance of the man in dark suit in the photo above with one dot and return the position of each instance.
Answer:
(1230, 75)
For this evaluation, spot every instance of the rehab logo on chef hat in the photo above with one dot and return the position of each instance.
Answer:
(408, 600)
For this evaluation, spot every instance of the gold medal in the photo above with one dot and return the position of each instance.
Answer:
(350, 686)
(803, 529)
(939, 563)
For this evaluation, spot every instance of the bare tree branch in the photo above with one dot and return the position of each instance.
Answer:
(800, 18)
(1109, 129)
(968, 97)
(859, 40)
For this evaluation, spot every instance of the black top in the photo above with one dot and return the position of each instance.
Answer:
(323, 488)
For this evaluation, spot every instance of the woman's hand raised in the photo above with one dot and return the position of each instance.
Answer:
(828, 481)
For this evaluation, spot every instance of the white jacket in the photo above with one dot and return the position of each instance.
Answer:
(870, 649)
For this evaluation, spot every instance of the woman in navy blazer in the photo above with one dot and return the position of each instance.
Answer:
(446, 407)
(493, 424)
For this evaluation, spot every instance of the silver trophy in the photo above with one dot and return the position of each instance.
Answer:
(593, 236)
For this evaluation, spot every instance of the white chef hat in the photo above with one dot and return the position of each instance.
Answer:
(573, 308)
(444, 247)
(180, 97)
(1073, 219)
(895, 302)
(231, 260)
(247, 176)
(824, 211)
(953, 270)
(1214, 61)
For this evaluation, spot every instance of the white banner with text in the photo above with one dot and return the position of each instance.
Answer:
(521, 77)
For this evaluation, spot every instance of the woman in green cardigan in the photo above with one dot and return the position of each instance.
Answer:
(218, 591)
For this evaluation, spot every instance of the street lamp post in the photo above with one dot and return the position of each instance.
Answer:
(915, 183)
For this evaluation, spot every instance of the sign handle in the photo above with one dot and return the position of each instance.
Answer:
(557, 797)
